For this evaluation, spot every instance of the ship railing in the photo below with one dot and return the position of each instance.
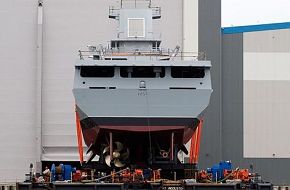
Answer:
(156, 12)
(117, 51)
(135, 3)
(114, 12)
(154, 54)
(197, 55)
(149, 36)
(186, 55)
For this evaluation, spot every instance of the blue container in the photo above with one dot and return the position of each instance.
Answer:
(67, 172)
(217, 170)
(52, 172)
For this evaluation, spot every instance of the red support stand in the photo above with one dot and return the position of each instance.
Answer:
(80, 138)
(195, 144)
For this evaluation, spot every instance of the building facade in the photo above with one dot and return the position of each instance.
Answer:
(256, 98)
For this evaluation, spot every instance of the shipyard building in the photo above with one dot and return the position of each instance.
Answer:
(246, 121)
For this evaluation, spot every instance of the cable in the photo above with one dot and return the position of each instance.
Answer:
(148, 125)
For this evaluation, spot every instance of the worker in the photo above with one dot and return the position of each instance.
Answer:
(46, 174)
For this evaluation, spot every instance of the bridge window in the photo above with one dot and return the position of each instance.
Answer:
(187, 72)
(97, 71)
(142, 72)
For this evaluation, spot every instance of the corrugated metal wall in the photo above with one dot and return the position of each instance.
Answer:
(255, 116)
(68, 26)
(210, 43)
(267, 94)
(17, 82)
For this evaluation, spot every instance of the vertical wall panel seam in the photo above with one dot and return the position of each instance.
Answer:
(221, 88)
(38, 113)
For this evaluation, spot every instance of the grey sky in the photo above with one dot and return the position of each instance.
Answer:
(247, 12)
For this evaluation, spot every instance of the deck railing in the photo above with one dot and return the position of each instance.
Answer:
(154, 54)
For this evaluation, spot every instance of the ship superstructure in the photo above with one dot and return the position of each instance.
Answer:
(134, 97)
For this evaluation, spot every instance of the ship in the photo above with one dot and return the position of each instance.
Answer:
(137, 102)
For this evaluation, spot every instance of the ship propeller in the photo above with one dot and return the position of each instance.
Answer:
(119, 156)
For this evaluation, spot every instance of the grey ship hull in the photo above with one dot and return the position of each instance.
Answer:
(140, 111)
(115, 106)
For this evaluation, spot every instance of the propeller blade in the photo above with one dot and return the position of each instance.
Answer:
(106, 149)
(118, 163)
(90, 148)
(108, 160)
(125, 155)
(92, 156)
(116, 154)
(119, 146)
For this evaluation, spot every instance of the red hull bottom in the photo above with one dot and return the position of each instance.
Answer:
(92, 135)
(141, 142)
(145, 143)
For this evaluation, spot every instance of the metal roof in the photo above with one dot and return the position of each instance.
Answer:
(255, 28)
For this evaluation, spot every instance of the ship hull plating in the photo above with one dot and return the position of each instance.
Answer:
(141, 140)
(140, 122)
(116, 107)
